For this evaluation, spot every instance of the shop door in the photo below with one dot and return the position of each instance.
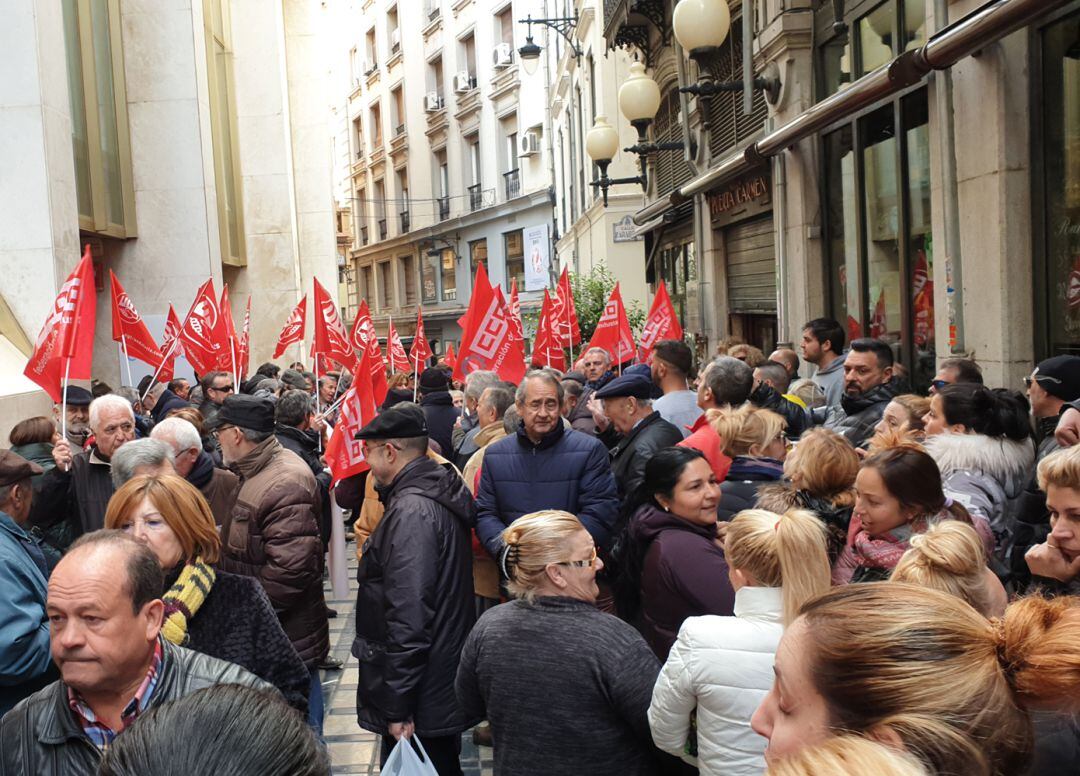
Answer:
(751, 281)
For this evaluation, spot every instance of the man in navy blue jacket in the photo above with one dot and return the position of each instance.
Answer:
(544, 466)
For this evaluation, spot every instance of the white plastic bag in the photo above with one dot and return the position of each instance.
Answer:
(404, 761)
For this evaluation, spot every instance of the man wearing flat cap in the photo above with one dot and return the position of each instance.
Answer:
(25, 664)
(439, 409)
(414, 608)
(273, 531)
(76, 406)
(636, 430)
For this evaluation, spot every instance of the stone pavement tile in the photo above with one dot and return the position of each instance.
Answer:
(340, 725)
(348, 754)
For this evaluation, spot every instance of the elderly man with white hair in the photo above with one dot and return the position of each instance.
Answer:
(71, 498)
(218, 486)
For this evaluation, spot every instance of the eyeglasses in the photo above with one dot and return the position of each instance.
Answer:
(224, 388)
(368, 448)
(1040, 378)
(939, 384)
(580, 563)
(219, 429)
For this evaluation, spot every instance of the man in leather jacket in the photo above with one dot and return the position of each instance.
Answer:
(105, 637)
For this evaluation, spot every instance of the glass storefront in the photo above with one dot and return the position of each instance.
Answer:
(1061, 179)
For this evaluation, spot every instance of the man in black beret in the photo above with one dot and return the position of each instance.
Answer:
(439, 409)
(635, 431)
(414, 607)
(273, 531)
(77, 408)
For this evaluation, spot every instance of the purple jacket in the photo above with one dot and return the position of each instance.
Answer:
(684, 574)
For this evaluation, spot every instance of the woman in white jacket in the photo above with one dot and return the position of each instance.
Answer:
(721, 668)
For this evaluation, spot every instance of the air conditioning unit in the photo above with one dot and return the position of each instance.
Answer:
(503, 55)
(463, 82)
(432, 102)
(395, 40)
(529, 143)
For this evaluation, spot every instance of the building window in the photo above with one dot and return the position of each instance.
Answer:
(467, 54)
(408, 280)
(223, 129)
(449, 275)
(99, 123)
(376, 127)
(1060, 148)
(358, 137)
(877, 183)
(398, 104)
(478, 254)
(504, 26)
(367, 284)
(393, 31)
(514, 245)
(386, 286)
(429, 288)
(371, 51)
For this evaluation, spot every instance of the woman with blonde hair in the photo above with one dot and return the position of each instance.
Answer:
(922, 669)
(820, 471)
(905, 414)
(223, 615)
(754, 440)
(721, 667)
(847, 756)
(1055, 564)
(950, 557)
(553, 646)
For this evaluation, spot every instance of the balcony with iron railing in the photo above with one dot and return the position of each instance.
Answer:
(382, 228)
(476, 197)
(444, 208)
(512, 181)
(404, 216)
(363, 235)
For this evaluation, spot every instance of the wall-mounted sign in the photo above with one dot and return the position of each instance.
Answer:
(537, 259)
(624, 230)
(746, 196)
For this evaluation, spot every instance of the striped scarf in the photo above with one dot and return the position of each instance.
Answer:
(184, 598)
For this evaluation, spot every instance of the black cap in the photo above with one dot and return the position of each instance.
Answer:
(577, 377)
(1060, 376)
(14, 468)
(401, 421)
(636, 385)
(77, 396)
(396, 396)
(255, 413)
(434, 379)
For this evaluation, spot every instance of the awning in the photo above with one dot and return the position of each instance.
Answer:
(979, 29)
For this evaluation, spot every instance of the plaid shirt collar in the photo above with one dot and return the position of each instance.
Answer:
(99, 733)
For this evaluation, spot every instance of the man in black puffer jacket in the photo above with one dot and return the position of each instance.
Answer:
(868, 387)
(439, 410)
(49, 733)
(292, 427)
(414, 608)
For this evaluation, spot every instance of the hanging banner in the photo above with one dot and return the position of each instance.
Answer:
(537, 258)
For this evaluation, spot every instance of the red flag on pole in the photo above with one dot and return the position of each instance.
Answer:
(170, 347)
(547, 351)
(515, 310)
(129, 327)
(420, 351)
(65, 345)
(395, 349)
(365, 340)
(450, 358)
(331, 340)
(243, 355)
(490, 342)
(564, 313)
(201, 331)
(293, 330)
(344, 452)
(613, 330)
(228, 355)
(662, 323)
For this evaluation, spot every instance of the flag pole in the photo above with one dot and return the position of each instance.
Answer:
(63, 403)
(161, 366)
(127, 359)
(317, 410)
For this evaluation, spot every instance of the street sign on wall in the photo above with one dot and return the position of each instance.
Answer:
(537, 258)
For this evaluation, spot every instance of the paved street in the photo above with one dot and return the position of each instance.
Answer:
(354, 751)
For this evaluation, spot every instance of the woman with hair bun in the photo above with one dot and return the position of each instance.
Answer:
(754, 440)
(722, 666)
(898, 495)
(565, 686)
(950, 557)
(847, 756)
(981, 441)
(922, 670)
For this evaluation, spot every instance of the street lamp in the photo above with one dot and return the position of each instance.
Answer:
(564, 25)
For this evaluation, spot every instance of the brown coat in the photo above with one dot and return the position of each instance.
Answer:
(485, 572)
(220, 493)
(273, 535)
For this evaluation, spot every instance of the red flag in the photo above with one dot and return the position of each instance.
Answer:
(420, 351)
(612, 332)
(66, 340)
(201, 332)
(546, 350)
(330, 337)
(129, 327)
(364, 339)
(662, 323)
(395, 348)
(170, 347)
(481, 286)
(228, 356)
(515, 310)
(344, 452)
(564, 314)
(293, 331)
(243, 355)
(490, 342)
(922, 288)
(879, 321)
(450, 357)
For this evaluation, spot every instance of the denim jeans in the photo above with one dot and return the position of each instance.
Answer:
(315, 702)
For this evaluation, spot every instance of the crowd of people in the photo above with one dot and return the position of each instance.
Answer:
(755, 565)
